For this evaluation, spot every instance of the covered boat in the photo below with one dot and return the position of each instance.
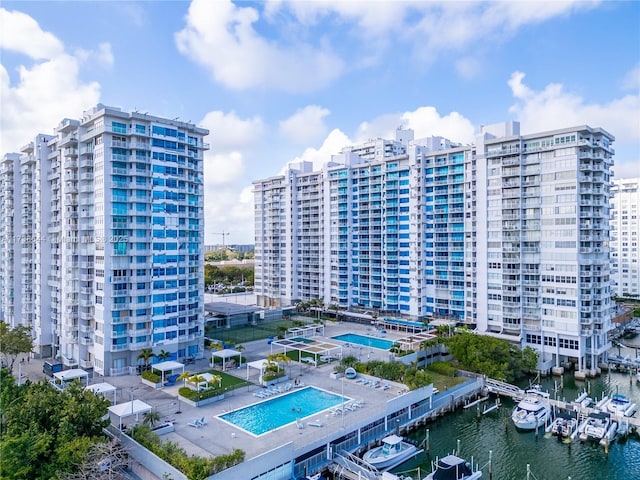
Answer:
(453, 467)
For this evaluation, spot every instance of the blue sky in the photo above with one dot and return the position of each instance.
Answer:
(279, 81)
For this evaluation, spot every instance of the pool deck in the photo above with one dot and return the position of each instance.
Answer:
(218, 437)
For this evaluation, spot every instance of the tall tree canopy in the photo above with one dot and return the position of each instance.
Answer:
(14, 341)
(44, 432)
(491, 356)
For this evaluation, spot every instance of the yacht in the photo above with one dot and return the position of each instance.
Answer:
(393, 451)
(532, 411)
(452, 467)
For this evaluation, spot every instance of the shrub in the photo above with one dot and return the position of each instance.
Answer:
(273, 375)
(151, 377)
(196, 396)
(194, 467)
(443, 368)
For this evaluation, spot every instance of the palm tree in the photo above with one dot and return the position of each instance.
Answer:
(163, 355)
(184, 376)
(146, 354)
(196, 380)
(279, 358)
(151, 418)
(215, 379)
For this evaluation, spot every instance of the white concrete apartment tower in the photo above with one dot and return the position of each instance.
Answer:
(112, 209)
(510, 235)
(542, 240)
(625, 237)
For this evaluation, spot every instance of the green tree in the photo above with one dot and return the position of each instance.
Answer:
(13, 342)
(490, 356)
(46, 432)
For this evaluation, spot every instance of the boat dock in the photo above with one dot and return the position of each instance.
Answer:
(576, 406)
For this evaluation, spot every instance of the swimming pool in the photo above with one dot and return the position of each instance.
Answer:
(373, 342)
(282, 410)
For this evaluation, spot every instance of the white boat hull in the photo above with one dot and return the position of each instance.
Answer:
(532, 412)
(530, 421)
(377, 458)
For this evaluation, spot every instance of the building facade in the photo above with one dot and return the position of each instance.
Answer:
(111, 242)
(510, 235)
(625, 237)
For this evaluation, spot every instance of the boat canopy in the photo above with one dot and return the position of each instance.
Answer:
(392, 440)
(451, 468)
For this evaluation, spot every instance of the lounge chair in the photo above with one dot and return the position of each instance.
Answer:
(299, 424)
(203, 421)
(314, 423)
(195, 423)
(287, 387)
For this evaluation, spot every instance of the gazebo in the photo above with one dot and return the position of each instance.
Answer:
(226, 354)
(128, 409)
(168, 366)
(258, 364)
(63, 378)
(103, 389)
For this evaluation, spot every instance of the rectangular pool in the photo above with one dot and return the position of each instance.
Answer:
(372, 342)
(276, 412)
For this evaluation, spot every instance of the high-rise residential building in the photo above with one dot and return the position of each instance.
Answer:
(510, 235)
(102, 229)
(625, 237)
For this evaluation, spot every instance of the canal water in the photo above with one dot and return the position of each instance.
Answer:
(549, 459)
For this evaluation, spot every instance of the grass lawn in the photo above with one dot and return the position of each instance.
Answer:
(229, 382)
(444, 381)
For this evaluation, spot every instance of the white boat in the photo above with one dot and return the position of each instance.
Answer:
(595, 426)
(532, 411)
(393, 451)
(564, 425)
(620, 405)
(453, 467)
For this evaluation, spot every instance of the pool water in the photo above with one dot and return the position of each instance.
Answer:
(373, 342)
(276, 412)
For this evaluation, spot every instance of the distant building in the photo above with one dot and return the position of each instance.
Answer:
(625, 237)
(234, 247)
(102, 239)
(509, 235)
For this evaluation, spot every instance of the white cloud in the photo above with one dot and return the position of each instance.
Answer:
(554, 107)
(22, 34)
(46, 91)
(228, 132)
(305, 126)
(103, 56)
(430, 29)
(631, 81)
(332, 144)
(220, 36)
(227, 208)
(425, 122)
